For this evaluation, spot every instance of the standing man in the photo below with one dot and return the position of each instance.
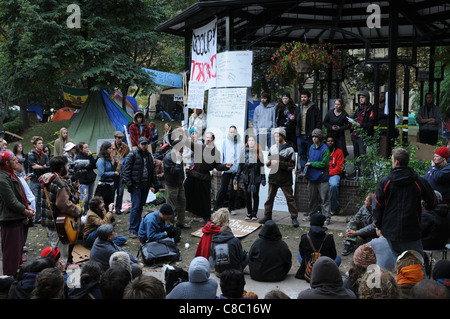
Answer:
(398, 210)
(138, 129)
(14, 213)
(307, 117)
(336, 171)
(120, 150)
(318, 177)
(139, 175)
(429, 118)
(232, 149)
(38, 162)
(174, 178)
(281, 161)
(61, 141)
(264, 120)
(364, 118)
(60, 201)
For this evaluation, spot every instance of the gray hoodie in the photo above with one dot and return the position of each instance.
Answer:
(199, 286)
(264, 117)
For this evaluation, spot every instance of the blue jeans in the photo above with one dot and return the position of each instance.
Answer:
(162, 113)
(138, 199)
(334, 182)
(303, 146)
(268, 140)
(118, 240)
(119, 189)
(89, 191)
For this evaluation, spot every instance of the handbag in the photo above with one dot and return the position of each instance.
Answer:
(163, 251)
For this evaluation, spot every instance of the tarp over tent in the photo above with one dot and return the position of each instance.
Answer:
(64, 113)
(131, 103)
(98, 119)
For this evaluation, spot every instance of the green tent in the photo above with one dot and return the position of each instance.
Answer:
(97, 120)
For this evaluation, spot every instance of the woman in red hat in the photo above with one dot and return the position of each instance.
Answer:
(438, 175)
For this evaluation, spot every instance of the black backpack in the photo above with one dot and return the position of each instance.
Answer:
(163, 251)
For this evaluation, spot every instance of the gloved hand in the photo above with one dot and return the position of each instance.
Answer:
(171, 232)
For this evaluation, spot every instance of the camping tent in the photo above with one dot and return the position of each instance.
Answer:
(64, 113)
(131, 103)
(98, 119)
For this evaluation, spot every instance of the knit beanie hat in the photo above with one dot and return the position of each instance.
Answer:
(317, 219)
(364, 256)
(6, 156)
(443, 152)
(166, 209)
(317, 132)
(52, 252)
(280, 131)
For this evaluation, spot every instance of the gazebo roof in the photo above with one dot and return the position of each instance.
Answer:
(268, 23)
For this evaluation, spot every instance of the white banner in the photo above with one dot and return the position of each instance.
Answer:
(204, 54)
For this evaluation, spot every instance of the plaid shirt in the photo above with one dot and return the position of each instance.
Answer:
(135, 133)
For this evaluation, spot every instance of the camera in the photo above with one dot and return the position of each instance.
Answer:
(78, 167)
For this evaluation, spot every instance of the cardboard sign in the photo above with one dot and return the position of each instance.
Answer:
(240, 228)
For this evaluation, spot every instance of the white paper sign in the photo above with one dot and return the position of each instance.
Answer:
(196, 95)
(234, 69)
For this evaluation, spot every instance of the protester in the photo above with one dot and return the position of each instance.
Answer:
(138, 129)
(438, 175)
(336, 123)
(281, 162)
(14, 212)
(199, 286)
(38, 163)
(198, 182)
(251, 171)
(429, 289)
(221, 218)
(155, 136)
(385, 258)
(317, 167)
(284, 117)
(321, 241)
(174, 183)
(409, 271)
(386, 289)
(197, 121)
(360, 228)
(398, 208)
(86, 176)
(264, 120)
(154, 226)
(144, 287)
(363, 118)
(90, 278)
(326, 282)
(308, 118)
(49, 284)
(429, 118)
(336, 172)
(160, 109)
(139, 175)
(232, 284)
(58, 199)
(232, 148)
(106, 167)
(114, 281)
(61, 142)
(18, 151)
(441, 273)
(269, 257)
(120, 150)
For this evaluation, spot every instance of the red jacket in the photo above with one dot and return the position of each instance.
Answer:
(337, 160)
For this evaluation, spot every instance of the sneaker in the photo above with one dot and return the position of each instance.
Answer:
(133, 234)
(264, 219)
(233, 212)
(295, 222)
(306, 219)
(254, 218)
(327, 222)
(248, 217)
(348, 248)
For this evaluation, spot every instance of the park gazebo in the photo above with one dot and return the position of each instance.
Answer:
(347, 24)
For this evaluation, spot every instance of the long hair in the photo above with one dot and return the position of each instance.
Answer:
(103, 152)
(258, 148)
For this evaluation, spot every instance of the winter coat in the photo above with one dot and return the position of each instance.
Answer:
(102, 250)
(281, 174)
(60, 142)
(317, 235)
(365, 217)
(152, 228)
(251, 168)
(326, 282)
(134, 173)
(319, 159)
(398, 211)
(313, 119)
(435, 227)
(365, 116)
(95, 220)
(12, 202)
(439, 179)
(199, 286)
(337, 161)
(87, 176)
(173, 172)
(227, 252)
(281, 116)
(427, 113)
(40, 159)
(264, 117)
(269, 257)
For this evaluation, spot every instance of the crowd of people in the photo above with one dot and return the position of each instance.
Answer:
(386, 236)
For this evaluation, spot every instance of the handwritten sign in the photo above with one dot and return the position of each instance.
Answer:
(234, 69)
(226, 107)
(196, 95)
(166, 79)
(204, 54)
(239, 228)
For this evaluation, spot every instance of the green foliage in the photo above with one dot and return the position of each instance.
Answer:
(14, 126)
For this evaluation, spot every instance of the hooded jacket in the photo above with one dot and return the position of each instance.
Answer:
(439, 179)
(264, 117)
(199, 286)
(398, 209)
(435, 227)
(60, 142)
(326, 282)
(136, 131)
(281, 174)
(269, 257)
(364, 115)
(227, 252)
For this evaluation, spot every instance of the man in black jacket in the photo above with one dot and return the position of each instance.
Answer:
(398, 210)
(139, 175)
(363, 118)
(174, 178)
(307, 116)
